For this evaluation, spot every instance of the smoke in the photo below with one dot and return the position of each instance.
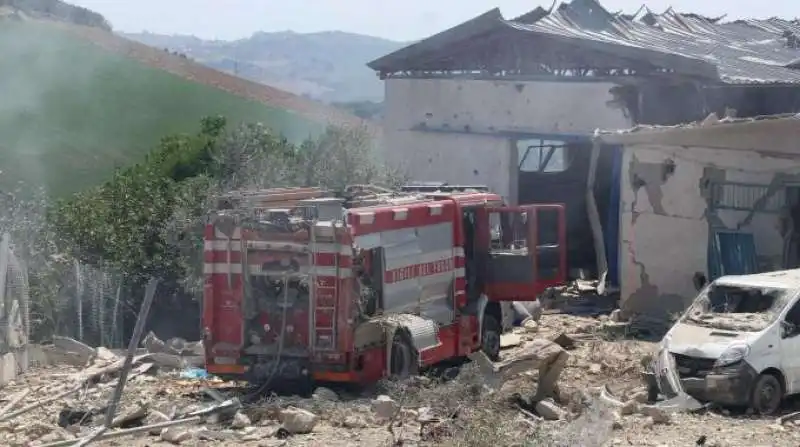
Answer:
(46, 108)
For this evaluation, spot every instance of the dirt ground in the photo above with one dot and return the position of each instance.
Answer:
(423, 411)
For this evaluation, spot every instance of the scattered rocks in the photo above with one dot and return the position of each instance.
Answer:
(658, 415)
(530, 326)
(384, 407)
(355, 421)
(297, 420)
(240, 421)
(629, 407)
(175, 435)
(325, 395)
(616, 424)
(549, 410)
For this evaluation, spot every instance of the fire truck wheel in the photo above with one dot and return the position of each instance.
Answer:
(490, 337)
(403, 362)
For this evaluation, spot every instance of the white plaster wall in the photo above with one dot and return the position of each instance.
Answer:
(462, 109)
(660, 253)
(530, 106)
(455, 158)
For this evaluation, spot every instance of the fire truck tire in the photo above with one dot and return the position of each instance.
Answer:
(490, 337)
(403, 361)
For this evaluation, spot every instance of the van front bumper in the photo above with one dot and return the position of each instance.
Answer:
(730, 385)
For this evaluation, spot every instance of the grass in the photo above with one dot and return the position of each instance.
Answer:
(70, 111)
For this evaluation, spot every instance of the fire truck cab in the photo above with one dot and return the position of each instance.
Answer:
(374, 285)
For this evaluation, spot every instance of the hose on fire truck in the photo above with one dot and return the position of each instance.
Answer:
(277, 363)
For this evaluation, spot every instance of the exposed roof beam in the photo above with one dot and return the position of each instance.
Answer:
(482, 24)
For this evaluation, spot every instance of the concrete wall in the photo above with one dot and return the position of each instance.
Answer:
(458, 130)
(665, 218)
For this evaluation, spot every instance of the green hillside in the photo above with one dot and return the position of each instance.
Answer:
(71, 111)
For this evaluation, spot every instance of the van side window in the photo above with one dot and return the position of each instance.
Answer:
(793, 316)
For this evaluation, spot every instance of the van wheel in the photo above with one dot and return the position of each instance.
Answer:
(490, 337)
(767, 395)
(403, 362)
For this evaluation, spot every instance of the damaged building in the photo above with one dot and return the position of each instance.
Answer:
(716, 198)
(514, 103)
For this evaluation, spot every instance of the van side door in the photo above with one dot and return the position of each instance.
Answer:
(790, 348)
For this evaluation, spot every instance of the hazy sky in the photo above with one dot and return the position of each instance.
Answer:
(392, 19)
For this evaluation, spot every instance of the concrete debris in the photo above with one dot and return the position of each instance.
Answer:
(325, 394)
(591, 395)
(240, 421)
(549, 410)
(530, 326)
(385, 407)
(175, 435)
(297, 420)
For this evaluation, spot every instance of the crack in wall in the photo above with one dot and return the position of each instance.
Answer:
(651, 177)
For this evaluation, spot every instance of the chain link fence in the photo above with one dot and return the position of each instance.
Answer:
(14, 313)
(90, 308)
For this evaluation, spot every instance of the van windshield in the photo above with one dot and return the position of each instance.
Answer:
(737, 307)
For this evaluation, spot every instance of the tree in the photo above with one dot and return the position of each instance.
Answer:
(148, 219)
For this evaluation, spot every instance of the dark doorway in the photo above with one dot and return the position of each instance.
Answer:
(557, 171)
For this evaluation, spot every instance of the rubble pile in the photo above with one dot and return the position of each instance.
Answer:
(598, 400)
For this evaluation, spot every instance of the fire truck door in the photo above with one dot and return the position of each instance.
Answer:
(526, 252)
(547, 231)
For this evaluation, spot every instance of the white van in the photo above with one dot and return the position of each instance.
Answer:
(738, 344)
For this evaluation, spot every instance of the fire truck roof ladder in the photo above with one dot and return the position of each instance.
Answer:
(329, 291)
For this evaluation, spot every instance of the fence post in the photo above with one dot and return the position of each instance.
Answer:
(5, 247)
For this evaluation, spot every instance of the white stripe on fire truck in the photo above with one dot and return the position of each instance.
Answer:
(210, 268)
(235, 246)
(422, 258)
(424, 281)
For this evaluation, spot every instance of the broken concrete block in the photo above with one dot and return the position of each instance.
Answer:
(240, 420)
(595, 368)
(530, 326)
(658, 415)
(617, 421)
(563, 340)
(297, 420)
(175, 435)
(384, 407)
(355, 421)
(104, 354)
(325, 394)
(510, 340)
(81, 353)
(549, 410)
(629, 407)
(616, 316)
(8, 369)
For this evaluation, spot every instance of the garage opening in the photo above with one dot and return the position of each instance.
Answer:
(557, 171)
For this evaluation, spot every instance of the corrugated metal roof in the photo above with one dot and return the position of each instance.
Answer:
(745, 51)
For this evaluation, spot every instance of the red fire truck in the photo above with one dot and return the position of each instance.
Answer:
(302, 285)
